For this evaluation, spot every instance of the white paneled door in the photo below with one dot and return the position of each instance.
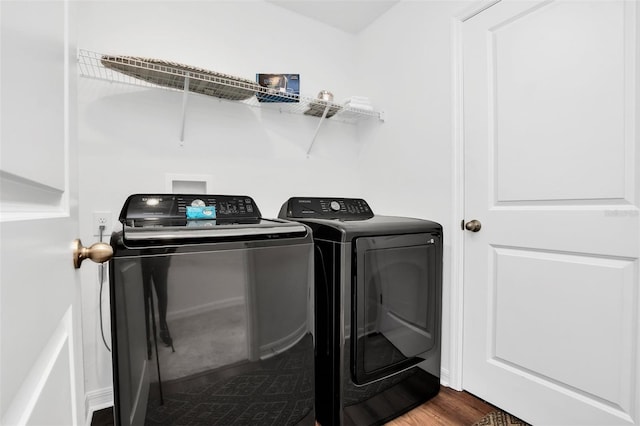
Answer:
(41, 381)
(551, 139)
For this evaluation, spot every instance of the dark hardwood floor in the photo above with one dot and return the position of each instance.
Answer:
(448, 408)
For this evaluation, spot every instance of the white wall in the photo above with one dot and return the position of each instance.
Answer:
(404, 62)
(131, 135)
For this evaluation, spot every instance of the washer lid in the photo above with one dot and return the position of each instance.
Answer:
(201, 231)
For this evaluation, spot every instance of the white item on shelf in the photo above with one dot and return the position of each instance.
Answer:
(358, 103)
(359, 99)
(361, 107)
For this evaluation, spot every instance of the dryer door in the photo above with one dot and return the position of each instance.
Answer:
(396, 303)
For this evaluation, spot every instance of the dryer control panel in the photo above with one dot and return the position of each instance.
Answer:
(326, 208)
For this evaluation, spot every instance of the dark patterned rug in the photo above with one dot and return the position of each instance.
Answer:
(276, 391)
(500, 418)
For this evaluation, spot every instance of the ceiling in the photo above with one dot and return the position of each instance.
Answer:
(351, 16)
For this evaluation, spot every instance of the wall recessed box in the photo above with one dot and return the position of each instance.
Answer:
(279, 87)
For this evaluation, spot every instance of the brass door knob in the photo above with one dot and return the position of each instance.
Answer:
(98, 252)
(473, 225)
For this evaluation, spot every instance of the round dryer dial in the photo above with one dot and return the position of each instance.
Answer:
(198, 203)
(335, 206)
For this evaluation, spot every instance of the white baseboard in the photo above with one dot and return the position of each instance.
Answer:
(97, 400)
(208, 307)
(444, 377)
(284, 344)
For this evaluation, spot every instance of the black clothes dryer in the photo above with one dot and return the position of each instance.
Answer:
(378, 298)
(211, 314)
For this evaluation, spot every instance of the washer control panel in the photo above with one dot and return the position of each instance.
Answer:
(173, 208)
(326, 208)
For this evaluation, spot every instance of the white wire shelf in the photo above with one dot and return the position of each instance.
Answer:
(153, 73)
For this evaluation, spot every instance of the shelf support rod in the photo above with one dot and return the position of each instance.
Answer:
(185, 96)
(315, 135)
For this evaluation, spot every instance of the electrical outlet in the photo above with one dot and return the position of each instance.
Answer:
(101, 219)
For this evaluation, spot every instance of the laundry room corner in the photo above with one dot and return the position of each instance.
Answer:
(130, 137)
(405, 61)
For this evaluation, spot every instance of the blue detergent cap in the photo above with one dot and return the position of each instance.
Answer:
(201, 212)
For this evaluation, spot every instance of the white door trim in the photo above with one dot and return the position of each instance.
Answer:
(456, 311)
